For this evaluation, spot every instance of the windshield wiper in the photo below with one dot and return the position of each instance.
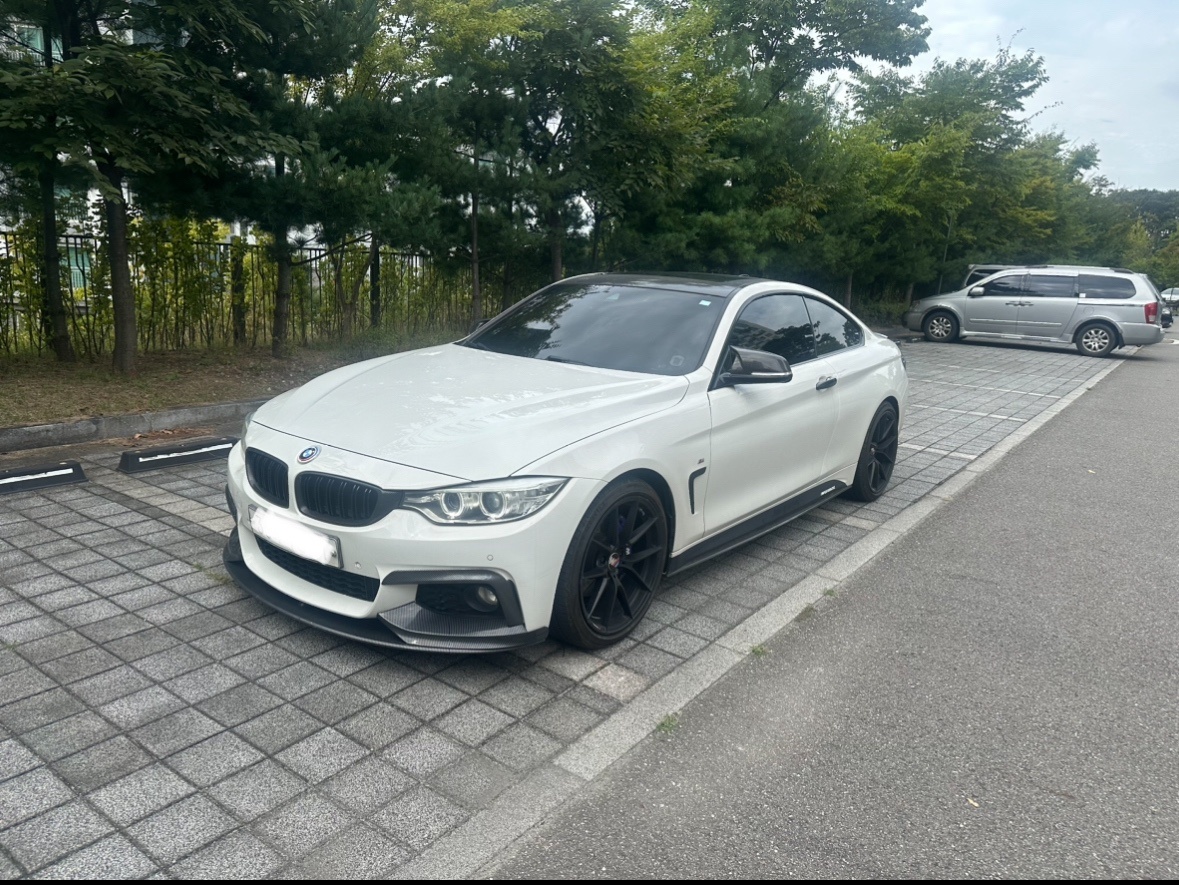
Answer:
(561, 359)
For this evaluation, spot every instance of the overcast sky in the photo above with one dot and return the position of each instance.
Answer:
(1113, 67)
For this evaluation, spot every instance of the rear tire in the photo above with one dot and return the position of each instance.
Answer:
(613, 567)
(940, 326)
(1096, 339)
(878, 455)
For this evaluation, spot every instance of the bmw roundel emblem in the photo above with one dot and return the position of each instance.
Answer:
(308, 454)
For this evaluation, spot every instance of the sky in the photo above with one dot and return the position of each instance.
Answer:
(1113, 68)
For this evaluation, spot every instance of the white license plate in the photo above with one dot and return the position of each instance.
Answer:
(294, 537)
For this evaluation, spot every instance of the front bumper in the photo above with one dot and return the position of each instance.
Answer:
(912, 320)
(398, 556)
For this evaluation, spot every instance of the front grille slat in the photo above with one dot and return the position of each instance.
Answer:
(334, 579)
(342, 501)
(268, 477)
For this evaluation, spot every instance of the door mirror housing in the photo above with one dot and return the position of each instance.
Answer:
(975, 291)
(748, 366)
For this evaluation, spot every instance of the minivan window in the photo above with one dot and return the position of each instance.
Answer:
(1097, 286)
(1008, 285)
(1045, 286)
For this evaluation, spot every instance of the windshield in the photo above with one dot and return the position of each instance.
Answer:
(631, 328)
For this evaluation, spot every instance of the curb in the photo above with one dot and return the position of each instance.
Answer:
(35, 436)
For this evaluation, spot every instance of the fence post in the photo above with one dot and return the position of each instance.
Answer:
(237, 289)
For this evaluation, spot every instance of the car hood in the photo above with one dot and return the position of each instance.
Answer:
(463, 412)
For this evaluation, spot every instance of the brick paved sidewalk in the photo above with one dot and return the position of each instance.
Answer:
(154, 719)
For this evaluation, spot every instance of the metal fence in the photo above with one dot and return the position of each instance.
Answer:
(195, 293)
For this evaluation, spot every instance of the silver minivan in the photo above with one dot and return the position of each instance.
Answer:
(1097, 309)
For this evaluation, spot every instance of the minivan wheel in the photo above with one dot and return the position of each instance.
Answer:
(878, 455)
(613, 568)
(940, 325)
(1096, 339)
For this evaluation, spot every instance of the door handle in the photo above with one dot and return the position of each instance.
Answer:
(825, 382)
(1014, 303)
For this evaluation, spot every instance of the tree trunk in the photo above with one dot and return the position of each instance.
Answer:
(122, 297)
(374, 282)
(848, 292)
(909, 295)
(476, 292)
(237, 289)
(282, 293)
(556, 242)
(59, 324)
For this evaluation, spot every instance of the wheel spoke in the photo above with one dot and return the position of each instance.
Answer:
(640, 531)
(594, 574)
(634, 574)
(593, 606)
(623, 596)
(885, 458)
(643, 554)
(602, 542)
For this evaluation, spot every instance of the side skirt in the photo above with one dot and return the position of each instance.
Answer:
(755, 526)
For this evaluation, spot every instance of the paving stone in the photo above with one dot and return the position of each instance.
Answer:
(139, 794)
(55, 833)
(214, 759)
(165, 570)
(428, 698)
(257, 789)
(114, 628)
(335, 701)
(196, 626)
(649, 661)
(30, 630)
(67, 736)
(378, 726)
(15, 759)
(227, 643)
(302, 823)
(141, 644)
(308, 642)
(112, 858)
(180, 829)
(170, 610)
(423, 752)
(522, 747)
(204, 683)
(259, 661)
(142, 707)
(175, 732)
(239, 704)
(40, 709)
(367, 785)
(279, 728)
(80, 665)
(321, 755)
(618, 682)
(420, 817)
(101, 764)
(472, 675)
(296, 680)
(239, 855)
(473, 722)
(42, 651)
(564, 719)
(554, 682)
(172, 662)
(385, 678)
(28, 795)
(677, 642)
(357, 853)
(344, 660)
(516, 697)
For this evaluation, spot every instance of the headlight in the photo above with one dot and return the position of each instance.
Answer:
(499, 500)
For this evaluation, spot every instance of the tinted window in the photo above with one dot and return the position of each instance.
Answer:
(632, 328)
(1008, 285)
(1095, 286)
(834, 330)
(777, 324)
(1049, 286)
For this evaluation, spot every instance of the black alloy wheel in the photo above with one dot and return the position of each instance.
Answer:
(878, 455)
(613, 568)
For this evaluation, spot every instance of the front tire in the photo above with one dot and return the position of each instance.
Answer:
(940, 326)
(878, 455)
(613, 567)
(1096, 339)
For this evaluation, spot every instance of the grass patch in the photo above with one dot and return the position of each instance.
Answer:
(39, 390)
(668, 724)
(759, 651)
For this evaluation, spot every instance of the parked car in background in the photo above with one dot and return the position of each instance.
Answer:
(977, 272)
(1097, 309)
(541, 475)
(1171, 297)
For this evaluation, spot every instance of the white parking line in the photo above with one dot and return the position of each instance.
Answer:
(983, 387)
(964, 412)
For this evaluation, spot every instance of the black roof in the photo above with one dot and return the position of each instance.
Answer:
(714, 285)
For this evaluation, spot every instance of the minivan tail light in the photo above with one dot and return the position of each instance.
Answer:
(1152, 312)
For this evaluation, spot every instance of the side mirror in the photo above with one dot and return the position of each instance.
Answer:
(755, 367)
(975, 291)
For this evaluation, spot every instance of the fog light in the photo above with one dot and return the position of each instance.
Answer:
(481, 598)
(487, 596)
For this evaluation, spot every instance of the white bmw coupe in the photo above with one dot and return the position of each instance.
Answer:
(540, 477)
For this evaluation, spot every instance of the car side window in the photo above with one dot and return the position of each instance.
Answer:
(1008, 285)
(776, 324)
(1097, 286)
(833, 329)
(1050, 286)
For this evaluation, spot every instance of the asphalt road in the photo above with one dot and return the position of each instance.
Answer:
(997, 695)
